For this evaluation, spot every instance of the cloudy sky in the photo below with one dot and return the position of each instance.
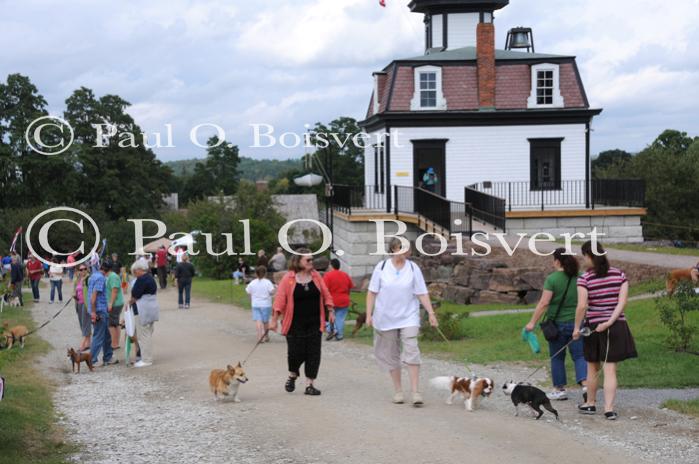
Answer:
(294, 62)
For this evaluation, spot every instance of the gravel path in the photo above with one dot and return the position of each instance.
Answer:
(166, 414)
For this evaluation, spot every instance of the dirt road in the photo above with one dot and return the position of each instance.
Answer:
(165, 413)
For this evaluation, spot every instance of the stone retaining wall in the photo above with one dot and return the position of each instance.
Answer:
(617, 229)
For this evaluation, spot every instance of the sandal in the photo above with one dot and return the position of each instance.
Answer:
(312, 391)
(290, 384)
(611, 415)
(586, 409)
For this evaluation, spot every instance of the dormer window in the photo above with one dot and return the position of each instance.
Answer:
(428, 89)
(546, 91)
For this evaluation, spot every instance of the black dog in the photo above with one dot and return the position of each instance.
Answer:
(522, 393)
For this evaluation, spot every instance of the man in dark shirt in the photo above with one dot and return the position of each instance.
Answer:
(17, 277)
(184, 273)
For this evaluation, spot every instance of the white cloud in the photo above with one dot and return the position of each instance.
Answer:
(291, 62)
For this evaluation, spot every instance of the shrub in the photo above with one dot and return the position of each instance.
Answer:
(674, 313)
(451, 325)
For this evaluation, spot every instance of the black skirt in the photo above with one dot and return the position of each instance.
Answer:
(621, 344)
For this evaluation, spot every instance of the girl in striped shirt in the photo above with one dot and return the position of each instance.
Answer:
(602, 296)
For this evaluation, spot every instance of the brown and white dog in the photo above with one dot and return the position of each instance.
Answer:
(220, 381)
(677, 276)
(470, 389)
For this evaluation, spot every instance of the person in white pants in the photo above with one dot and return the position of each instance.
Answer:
(145, 305)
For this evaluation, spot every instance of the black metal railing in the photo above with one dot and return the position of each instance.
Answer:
(346, 198)
(451, 216)
(618, 192)
(488, 208)
(568, 193)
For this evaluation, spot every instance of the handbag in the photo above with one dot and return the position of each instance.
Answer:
(549, 327)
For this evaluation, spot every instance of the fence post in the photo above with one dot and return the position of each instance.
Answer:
(395, 200)
(509, 195)
(469, 210)
(542, 197)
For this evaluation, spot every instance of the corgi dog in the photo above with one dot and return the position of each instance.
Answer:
(471, 390)
(15, 334)
(77, 358)
(220, 380)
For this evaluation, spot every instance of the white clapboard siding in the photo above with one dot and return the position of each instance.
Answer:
(437, 31)
(486, 153)
(461, 30)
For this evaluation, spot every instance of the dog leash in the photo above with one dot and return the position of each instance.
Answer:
(259, 342)
(52, 318)
(444, 337)
(585, 332)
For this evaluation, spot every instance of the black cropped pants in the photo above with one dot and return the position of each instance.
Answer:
(304, 348)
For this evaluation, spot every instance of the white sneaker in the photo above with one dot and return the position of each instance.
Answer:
(142, 364)
(399, 398)
(417, 399)
(558, 395)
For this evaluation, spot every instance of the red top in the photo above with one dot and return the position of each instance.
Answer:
(339, 283)
(284, 300)
(161, 257)
(35, 269)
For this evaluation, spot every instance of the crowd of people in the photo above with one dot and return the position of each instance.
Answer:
(309, 305)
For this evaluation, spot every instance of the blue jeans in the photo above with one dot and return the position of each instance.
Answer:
(186, 288)
(101, 339)
(57, 285)
(35, 288)
(71, 273)
(558, 363)
(340, 316)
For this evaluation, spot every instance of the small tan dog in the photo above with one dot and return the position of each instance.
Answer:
(220, 381)
(15, 334)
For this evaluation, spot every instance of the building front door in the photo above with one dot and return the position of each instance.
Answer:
(429, 170)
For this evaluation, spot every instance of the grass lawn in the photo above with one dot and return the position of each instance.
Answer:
(689, 407)
(648, 286)
(224, 291)
(221, 291)
(28, 433)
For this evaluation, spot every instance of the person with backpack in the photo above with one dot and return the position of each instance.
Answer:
(396, 290)
(558, 302)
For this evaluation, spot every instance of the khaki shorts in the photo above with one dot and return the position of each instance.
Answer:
(396, 346)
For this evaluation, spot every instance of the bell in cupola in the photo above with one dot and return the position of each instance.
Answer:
(520, 38)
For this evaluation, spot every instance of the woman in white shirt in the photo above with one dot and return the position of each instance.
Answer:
(396, 290)
(261, 291)
(56, 280)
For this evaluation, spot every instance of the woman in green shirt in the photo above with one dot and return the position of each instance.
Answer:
(558, 301)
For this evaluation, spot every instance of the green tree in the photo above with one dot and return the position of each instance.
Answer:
(28, 178)
(342, 158)
(117, 172)
(218, 218)
(611, 164)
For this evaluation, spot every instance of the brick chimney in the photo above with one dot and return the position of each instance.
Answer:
(485, 52)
